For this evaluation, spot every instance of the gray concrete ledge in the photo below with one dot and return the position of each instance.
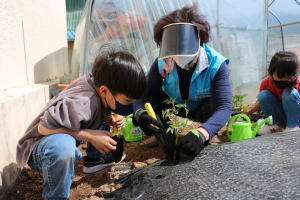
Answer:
(18, 107)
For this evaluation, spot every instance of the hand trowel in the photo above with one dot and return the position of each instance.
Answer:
(118, 153)
(165, 139)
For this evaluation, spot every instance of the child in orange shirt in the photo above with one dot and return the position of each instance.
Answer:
(279, 94)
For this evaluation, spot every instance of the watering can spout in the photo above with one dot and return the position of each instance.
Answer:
(268, 120)
(123, 131)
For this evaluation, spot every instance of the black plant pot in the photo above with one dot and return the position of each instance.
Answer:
(235, 112)
(118, 153)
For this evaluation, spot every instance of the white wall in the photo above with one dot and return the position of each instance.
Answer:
(33, 42)
(33, 48)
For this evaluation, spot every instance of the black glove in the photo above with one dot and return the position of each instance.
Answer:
(145, 121)
(191, 144)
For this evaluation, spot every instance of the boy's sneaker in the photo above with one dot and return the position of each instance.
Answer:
(288, 129)
(269, 129)
(91, 165)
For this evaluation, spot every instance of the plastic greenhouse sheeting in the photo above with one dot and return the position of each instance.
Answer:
(265, 167)
(285, 13)
(238, 31)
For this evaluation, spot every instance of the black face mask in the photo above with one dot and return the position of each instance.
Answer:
(282, 84)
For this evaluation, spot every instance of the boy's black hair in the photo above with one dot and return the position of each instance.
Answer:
(119, 71)
(285, 64)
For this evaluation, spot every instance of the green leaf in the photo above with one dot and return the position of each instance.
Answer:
(170, 122)
(194, 131)
(173, 100)
(180, 123)
(185, 122)
(169, 129)
(165, 101)
(176, 127)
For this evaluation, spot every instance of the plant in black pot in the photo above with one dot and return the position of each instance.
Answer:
(175, 124)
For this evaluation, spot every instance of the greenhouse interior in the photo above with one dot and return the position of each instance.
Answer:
(248, 41)
(235, 162)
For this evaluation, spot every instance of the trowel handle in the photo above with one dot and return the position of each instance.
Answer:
(115, 130)
(245, 109)
(150, 111)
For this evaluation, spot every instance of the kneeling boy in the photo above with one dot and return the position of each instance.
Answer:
(50, 143)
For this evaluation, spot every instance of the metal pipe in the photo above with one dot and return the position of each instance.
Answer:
(298, 22)
(282, 39)
(236, 27)
(218, 20)
(87, 37)
(163, 7)
(271, 3)
(265, 47)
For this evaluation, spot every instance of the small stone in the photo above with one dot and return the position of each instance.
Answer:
(27, 195)
(139, 164)
(95, 198)
(116, 175)
(105, 188)
(78, 186)
(215, 140)
(189, 122)
(151, 160)
(142, 144)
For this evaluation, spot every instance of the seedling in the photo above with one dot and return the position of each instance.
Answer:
(238, 101)
(176, 125)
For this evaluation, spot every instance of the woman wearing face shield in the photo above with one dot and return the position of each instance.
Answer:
(190, 72)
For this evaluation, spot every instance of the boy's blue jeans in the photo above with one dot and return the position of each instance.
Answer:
(55, 156)
(285, 112)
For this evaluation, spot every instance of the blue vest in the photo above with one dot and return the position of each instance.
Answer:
(201, 84)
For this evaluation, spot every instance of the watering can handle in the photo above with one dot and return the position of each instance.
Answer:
(253, 126)
(236, 117)
(129, 116)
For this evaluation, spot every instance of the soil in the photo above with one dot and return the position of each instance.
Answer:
(29, 184)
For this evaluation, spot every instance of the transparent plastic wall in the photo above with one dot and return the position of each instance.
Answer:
(238, 31)
(285, 14)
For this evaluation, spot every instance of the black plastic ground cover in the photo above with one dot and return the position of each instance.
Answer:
(265, 167)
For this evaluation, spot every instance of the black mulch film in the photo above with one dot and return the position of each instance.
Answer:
(265, 167)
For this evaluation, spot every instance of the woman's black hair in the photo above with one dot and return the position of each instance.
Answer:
(188, 14)
(118, 70)
(284, 64)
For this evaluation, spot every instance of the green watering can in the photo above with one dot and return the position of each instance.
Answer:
(243, 130)
(131, 132)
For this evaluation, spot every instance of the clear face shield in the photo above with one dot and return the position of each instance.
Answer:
(181, 42)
